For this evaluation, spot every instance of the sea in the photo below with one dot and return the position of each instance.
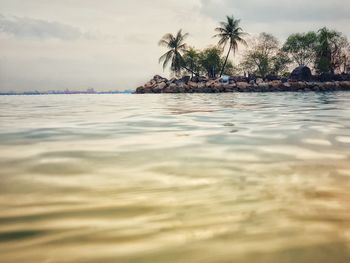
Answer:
(202, 178)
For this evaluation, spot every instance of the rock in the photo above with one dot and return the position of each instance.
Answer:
(263, 86)
(192, 84)
(271, 77)
(185, 79)
(242, 86)
(238, 79)
(345, 85)
(159, 84)
(158, 88)
(159, 79)
(140, 90)
(276, 85)
(219, 87)
(172, 80)
(170, 89)
(230, 88)
(210, 83)
(301, 73)
(199, 79)
(148, 90)
(344, 77)
(325, 77)
(259, 80)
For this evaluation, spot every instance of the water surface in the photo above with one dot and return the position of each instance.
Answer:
(175, 178)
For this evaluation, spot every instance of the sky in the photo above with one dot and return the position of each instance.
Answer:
(112, 44)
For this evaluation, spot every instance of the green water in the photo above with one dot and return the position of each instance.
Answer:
(175, 178)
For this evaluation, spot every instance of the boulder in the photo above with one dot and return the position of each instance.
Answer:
(159, 87)
(148, 90)
(345, 85)
(263, 86)
(238, 79)
(259, 80)
(172, 80)
(301, 73)
(185, 79)
(276, 85)
(325, 77)
(242, 86)
(192, 84)
(170, 89)
(159, 79)
(140, 90)
(271, 77)
(229, 87)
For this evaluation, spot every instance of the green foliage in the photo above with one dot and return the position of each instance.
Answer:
(347, 60)
(191, 59)
(210, 61)
(302, 47)
(230, 69)
(280, 64)
(176, 47)
(230, 33)
(330, 51)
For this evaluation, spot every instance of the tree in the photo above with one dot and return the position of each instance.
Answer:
(259, 58)
(301, 47)
(230, 32)
(210, 61)
(191, 59)
(177, 47)
(330, 50)
(280, 63)
(347, 60)
(230, 69)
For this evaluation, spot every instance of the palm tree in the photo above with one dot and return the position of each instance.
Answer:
(231, 32)
(176, 47)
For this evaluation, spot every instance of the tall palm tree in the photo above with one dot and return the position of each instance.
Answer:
(230, 32)
(177, 47)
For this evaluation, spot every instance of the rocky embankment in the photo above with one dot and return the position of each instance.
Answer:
(159, 84)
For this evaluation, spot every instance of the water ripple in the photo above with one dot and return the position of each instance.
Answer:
(179, 178)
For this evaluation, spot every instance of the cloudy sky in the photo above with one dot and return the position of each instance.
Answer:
(112, 44)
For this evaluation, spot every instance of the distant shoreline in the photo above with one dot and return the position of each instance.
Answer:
(36, 93)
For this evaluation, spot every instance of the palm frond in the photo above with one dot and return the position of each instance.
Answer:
(176, 47)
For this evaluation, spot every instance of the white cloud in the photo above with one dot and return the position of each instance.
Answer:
(24, 27)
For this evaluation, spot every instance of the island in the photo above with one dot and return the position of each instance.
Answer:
(309, 61)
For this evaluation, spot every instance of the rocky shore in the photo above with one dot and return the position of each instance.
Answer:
(187, 84)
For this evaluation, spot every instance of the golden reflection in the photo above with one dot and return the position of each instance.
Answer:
(138, 183)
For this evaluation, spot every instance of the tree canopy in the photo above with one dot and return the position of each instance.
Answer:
(326, 51)
(264, 56)
(302, 47)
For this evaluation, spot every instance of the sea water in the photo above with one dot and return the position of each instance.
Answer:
(175, 178)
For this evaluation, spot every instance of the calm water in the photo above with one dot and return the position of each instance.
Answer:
(175, 178)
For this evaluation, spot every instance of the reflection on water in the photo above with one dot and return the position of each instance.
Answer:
(175, 178)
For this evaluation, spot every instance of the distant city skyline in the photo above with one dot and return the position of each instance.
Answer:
(112, 45)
